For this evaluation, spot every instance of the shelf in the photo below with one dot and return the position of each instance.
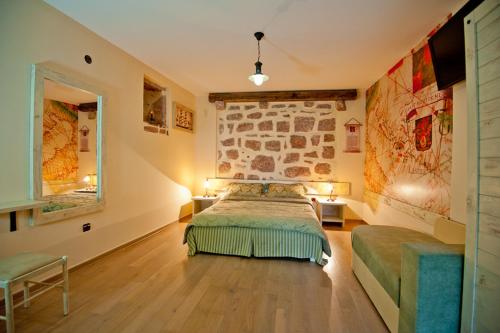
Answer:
(20, 205)
(332, 218)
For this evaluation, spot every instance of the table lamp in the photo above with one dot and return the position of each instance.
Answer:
(332, 190)
(206, 185)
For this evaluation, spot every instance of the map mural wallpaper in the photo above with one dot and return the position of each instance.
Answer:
(60, 142)
(409, 135)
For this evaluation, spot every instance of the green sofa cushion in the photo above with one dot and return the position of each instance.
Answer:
(380, 249)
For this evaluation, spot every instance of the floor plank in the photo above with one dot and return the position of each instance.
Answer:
(153, 286)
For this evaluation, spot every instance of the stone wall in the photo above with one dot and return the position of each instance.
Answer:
(282, 140)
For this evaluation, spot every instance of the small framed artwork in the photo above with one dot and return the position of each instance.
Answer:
(183, 117)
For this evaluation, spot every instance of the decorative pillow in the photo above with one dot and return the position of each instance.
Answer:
(286, 190)
(245, 189)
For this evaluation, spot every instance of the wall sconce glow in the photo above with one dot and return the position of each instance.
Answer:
(258, 78)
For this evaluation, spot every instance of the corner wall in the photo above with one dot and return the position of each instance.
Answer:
(149, 177)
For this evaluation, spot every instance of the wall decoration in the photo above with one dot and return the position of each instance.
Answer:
(154, 108)
(279, 140)
(353, 136)
(60, 145)
(183, 117)
(84, 139)
(409, 135)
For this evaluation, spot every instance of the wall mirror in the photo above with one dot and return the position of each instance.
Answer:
(67, 145)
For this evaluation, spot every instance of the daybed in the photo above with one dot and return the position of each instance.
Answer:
(413, 279)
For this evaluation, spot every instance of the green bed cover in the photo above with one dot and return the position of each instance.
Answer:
(288, 214)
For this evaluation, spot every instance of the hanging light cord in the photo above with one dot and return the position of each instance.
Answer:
(258, 50)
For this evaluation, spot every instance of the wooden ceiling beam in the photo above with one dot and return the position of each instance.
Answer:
(281, 96)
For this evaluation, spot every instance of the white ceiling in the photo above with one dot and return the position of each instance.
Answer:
(208, 46)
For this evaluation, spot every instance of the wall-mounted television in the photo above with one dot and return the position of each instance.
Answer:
(447, 48)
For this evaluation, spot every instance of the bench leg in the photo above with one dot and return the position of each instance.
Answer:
(9, 308)
(26, 294)
(65, 285)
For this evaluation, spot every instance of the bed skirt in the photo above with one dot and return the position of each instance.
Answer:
(249, 242)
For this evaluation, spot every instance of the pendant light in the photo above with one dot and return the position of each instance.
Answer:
(258, 78)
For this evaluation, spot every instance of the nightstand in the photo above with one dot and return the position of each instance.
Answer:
(200, 203)
(331, 211)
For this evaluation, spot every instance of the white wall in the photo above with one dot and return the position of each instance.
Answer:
(149, 177)
(349, 165)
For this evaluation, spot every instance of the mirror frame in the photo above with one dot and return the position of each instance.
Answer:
(40, 72)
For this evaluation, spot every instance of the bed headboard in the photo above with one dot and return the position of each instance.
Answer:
(317, 188)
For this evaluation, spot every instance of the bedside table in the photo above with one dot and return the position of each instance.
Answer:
(331, 211)
(200, 203)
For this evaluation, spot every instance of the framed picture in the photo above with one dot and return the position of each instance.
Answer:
(183, 117)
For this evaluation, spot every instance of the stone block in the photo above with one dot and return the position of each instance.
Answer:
(340, 105)
(254, 115)
(291, 157)
(328, 152)
(244, 127)
(326, 124)
(273, 145)
(322, 168)
(304, 124)
(311, 154)
(297, 171)
(283, 126)
(232, 154)
(224, 167)
(234, 116)
(328, 138)
(263, 163)
(298, 141)
(266, 125)
(228, 142)
(253, 144)
(315, 140)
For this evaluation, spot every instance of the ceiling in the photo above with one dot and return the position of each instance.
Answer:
(208, 46)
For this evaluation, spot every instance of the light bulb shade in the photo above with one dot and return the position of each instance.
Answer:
(206, 184)
(258, 78)
(86, 179)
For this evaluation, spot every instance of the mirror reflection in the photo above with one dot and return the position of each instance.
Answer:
(69, 147)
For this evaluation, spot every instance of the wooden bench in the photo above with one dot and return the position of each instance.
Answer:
(21, 268)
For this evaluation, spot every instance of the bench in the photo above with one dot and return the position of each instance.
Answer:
(21, 268)
(413, 279)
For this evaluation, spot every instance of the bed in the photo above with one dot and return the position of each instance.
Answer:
(259, 223)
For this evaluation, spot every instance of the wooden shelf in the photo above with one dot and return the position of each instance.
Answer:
(20, 205)
(332, 218)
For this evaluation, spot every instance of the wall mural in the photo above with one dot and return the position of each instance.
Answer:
(277, 141)
(409, 135)
(60, 145)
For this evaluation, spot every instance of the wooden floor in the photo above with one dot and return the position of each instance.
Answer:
(153, 286)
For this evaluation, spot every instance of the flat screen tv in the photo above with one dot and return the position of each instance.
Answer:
(447, 48)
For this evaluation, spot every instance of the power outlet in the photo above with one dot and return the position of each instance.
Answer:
(86, 227)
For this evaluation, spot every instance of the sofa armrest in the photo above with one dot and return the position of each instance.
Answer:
(431, 287)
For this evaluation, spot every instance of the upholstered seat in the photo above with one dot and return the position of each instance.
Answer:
(380, 249)
(23, 263)
(21, 268)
